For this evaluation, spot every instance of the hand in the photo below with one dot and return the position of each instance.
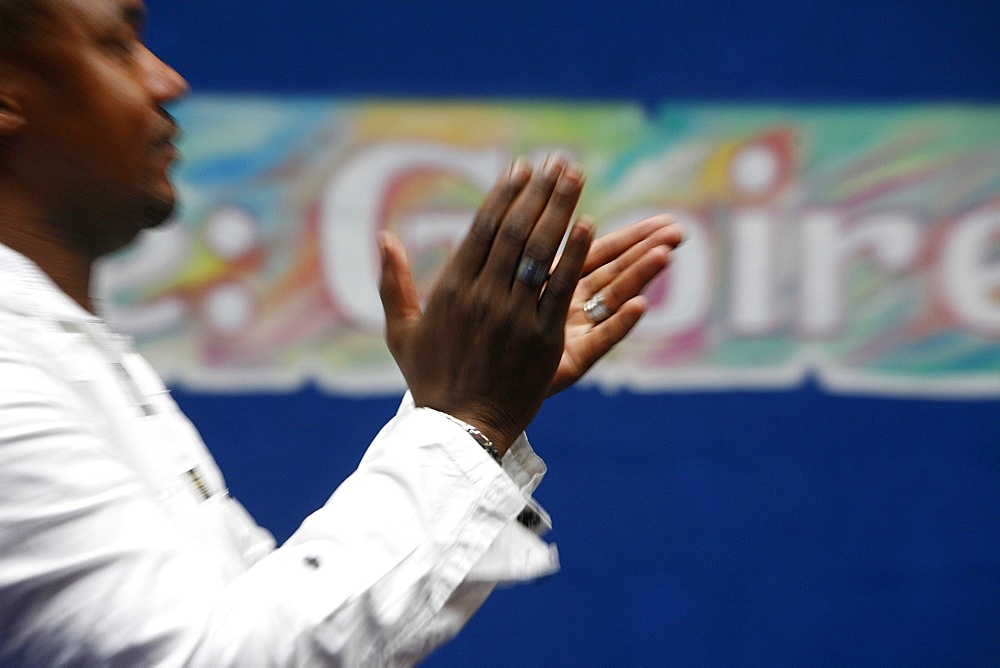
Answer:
(487, 346)
(619, 266)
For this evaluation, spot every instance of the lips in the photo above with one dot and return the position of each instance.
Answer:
(165, 146)
(170, 152)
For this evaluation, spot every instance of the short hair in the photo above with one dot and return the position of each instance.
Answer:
(19, 21)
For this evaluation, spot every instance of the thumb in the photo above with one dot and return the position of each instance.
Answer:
(399, 295)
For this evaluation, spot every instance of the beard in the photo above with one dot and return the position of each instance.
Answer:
(97, 219)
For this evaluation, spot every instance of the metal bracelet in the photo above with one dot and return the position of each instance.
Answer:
(480, 438)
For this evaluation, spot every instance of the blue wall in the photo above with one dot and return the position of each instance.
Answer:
(789, 528)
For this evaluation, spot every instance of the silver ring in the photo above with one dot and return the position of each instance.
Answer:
(532, 272)
(596, 310)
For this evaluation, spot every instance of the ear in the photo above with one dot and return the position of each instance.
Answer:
(12, 118)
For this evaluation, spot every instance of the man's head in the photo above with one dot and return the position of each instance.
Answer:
(85, 145)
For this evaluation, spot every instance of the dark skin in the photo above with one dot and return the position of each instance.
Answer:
(86, 144)
(85, 154)
(489, 348)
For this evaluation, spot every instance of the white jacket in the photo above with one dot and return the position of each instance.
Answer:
(119, 543)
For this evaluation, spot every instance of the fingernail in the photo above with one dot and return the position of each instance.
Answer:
(682, 239)
(520, 169)
(571, 179)
(553, 163)
(380, 243)
(584, 227)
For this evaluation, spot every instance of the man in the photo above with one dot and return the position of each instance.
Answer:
(118, 542)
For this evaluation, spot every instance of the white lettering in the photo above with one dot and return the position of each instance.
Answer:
(352, 213)
(892, 239)
(970, 282)
(753, 303)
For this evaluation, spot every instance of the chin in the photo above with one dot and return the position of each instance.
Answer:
(160, 210)
(120, 228)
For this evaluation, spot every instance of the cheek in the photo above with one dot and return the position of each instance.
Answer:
(114, 106)
(96, 127)
(126, 122)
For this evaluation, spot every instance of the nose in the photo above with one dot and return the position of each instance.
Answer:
(164, 83)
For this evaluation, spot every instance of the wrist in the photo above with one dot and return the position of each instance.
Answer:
(479, 437)
(501, 435)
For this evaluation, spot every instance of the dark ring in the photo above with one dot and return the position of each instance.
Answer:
(532, 272)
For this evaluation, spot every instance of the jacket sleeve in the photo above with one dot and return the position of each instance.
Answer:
(398, 559)
(95, 570)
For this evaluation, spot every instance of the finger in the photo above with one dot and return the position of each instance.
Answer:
(396, 289)
(544, 240)
(554, 303)
(468, 260)
(606, 335)
(633, 280)
(662, 237)
(610, 246)
(520, 220)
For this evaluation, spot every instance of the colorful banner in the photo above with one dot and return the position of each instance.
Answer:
(857, 244)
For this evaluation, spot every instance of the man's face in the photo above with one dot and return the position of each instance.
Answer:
(97, 146)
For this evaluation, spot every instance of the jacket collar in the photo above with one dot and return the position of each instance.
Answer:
(26, 289)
